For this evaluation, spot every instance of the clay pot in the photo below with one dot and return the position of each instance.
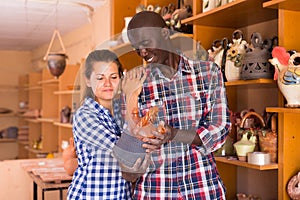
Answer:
(56, 63)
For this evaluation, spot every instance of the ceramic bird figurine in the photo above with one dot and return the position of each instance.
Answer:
(287, 75)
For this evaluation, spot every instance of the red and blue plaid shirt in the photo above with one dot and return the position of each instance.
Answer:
(193, 99)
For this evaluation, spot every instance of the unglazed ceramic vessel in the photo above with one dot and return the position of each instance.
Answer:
(244, 146)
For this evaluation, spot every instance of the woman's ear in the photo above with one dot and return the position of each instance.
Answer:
(165, 32)
(88, 82)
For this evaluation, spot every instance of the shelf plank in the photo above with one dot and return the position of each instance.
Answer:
(32, 120)
(283, 4)
(66, 125)
(283, 110)
(11, 114)
(48, 120)
(34, 88)
(8, 140)
(250, 82)
(239, 13)
(67, 92)
(271, 166)
(49, 81)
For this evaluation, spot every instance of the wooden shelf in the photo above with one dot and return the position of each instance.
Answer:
(34, 88)
(66, 125)
(239, 13)
(49, 81)
(283, 110)
(33, 120)
(250, 82)
(48, 120)
(36, 151)
(24, 142)
(271, 166)
(7, 140)
(12, 114)
(67, 92)
(283, 4)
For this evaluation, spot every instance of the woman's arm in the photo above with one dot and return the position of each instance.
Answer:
(70, 158)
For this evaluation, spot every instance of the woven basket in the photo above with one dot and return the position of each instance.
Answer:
(255, 63)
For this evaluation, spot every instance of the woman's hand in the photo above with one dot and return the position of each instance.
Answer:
(133, 81)
(131, 87)
(70, 158)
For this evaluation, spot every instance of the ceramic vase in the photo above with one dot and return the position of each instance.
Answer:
(289, 84)
(124, 31)
(56, 63)
(232, 72)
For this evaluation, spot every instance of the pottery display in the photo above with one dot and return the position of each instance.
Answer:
(287, 75)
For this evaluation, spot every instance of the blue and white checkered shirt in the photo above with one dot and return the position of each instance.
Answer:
(98, 175)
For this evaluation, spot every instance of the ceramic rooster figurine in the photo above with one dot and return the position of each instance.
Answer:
(287, 75)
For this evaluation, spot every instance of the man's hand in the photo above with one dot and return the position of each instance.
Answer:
(159, 138)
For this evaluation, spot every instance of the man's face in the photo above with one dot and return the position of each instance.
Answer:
(149, 44)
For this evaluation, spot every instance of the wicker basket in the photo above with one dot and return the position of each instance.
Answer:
(255, 63)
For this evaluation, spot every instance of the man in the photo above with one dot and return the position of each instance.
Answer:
(191, 99)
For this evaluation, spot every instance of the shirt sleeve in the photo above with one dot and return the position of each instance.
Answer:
(93, 130)
(214, 125)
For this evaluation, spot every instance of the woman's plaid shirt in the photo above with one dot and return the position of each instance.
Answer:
(98, 175)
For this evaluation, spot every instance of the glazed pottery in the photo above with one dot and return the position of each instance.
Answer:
(289, 82)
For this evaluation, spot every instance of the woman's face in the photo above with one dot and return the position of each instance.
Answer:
(104, 81)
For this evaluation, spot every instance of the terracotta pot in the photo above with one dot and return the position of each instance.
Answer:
(56, 63)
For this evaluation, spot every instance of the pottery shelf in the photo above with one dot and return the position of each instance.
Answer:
(12, 114)
(47, 120)
(37, 88)
(65, 125)
(33, 120)
(235, 162)
(49, 81)
(269, 17)
(23, 142)
(239, 13)
(251, 82)
(283, 4)
(35, 151)
(67, 92)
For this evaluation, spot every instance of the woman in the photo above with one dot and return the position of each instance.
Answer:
(98, 175)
